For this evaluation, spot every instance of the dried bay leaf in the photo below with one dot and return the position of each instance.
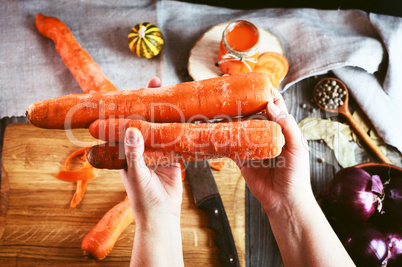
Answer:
(329, 140)
(335, 134)
(317, 128)
(344, 151)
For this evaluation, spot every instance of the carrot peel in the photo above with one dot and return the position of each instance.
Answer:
(79, 193)
(183, 171)
(85, 173)
(217, 165)
(81, 176)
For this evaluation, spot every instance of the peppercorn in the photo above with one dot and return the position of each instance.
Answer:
(330, 94)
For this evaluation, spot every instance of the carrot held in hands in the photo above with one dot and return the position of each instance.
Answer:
(99, 242)
(81, 65)
(246, 139)
(231, 95)
(167, 143)
(112, 156)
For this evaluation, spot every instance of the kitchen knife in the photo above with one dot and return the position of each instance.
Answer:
(206, 197)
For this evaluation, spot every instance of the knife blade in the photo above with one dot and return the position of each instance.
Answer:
(207, 197)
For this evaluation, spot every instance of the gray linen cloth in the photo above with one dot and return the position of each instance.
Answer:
(363, 50)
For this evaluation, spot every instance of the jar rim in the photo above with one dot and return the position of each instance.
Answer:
(233, 51)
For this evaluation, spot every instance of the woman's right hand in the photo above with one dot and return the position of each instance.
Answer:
(282, 185)
(287, 177)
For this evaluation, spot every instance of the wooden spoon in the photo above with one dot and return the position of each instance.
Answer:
(343, 109)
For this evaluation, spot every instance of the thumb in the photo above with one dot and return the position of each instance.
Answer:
(154, 82)
(290, 129)
(134, 149)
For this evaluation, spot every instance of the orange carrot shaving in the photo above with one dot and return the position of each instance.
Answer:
(79, 193)
(76, 153)
(86, 172)
(217, 165)
(81, 176)
(183, 172)
(77, 175)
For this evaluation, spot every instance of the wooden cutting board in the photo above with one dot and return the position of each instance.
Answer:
(38, 227)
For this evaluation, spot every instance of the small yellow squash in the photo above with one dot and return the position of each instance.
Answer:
(145, 40)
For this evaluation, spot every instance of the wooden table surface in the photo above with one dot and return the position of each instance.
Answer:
(261, 248)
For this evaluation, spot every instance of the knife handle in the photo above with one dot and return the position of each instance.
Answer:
(219, 223)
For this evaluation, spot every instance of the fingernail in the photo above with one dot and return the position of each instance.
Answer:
(275, 110)
(131, 137)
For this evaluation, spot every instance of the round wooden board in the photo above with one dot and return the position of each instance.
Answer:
(203, 56)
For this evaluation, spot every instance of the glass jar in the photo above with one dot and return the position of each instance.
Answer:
(239, 47)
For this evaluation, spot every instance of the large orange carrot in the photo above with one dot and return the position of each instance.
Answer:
(101, 239)
(232, 95)
(245, 139)
(87, 73)
(111, 156)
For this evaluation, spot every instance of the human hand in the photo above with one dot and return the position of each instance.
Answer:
(282, 185)
(155, 192)
(287, 177)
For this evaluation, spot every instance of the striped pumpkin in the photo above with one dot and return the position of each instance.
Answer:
(145, 40)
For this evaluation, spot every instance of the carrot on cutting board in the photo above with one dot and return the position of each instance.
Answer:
(273, 64)
(99, 242)
(242, 139)
(81, 65)
(231, 95)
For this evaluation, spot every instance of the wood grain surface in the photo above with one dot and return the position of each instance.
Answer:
(38, 227)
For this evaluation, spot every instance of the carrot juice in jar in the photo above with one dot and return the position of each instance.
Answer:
(239, 48)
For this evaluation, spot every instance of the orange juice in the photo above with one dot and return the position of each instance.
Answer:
(239, 48)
